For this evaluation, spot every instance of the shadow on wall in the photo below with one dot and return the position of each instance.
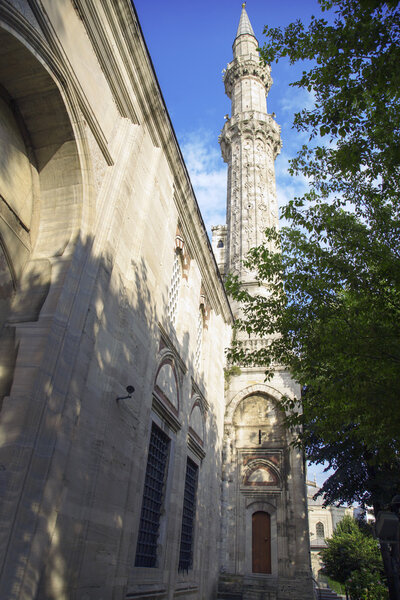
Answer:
(67, 446)
(72, 456)
(40, 192)
(75, 330)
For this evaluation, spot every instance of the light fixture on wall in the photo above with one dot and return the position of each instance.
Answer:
(130, 389)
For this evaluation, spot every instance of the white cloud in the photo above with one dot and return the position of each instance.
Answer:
(287, 187)
(208, 175)
(295, 100)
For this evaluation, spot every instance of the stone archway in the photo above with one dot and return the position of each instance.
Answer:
(43, 198)
(41, 189)
(254, 443)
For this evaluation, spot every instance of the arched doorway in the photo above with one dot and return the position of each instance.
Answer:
(261, 542)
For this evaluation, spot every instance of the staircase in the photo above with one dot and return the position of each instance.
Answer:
(256, 588)
(326, 593)
(237, 587)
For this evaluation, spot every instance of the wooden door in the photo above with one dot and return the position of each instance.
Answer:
(261, 542)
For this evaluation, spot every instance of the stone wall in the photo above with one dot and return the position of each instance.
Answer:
(100, 208)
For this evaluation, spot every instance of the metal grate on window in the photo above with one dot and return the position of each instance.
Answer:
(319, 530)
(174, 287)
(153, 496)
(199, 338)
(189, 512)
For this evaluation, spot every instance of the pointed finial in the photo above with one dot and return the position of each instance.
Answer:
(244, 23)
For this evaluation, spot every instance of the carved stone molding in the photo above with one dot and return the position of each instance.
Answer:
(246, 67)
(260, 462)
(165, 414)
(195, 446)
(252, 125)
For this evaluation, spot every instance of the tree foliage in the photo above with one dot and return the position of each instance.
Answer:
(352, 557)
(330, 306)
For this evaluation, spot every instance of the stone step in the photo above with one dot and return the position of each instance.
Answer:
(327, 594)
(230, 587)
(258, 594)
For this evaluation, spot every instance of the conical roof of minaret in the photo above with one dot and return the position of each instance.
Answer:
(244, 23)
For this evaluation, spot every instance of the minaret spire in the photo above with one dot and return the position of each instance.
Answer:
(250, 141)
(244, 23)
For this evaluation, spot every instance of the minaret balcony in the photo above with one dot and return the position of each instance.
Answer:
(247, 67)
(251, 124)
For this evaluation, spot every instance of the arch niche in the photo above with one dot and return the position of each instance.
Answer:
(254, 439)
(255, 418)
(41, 186)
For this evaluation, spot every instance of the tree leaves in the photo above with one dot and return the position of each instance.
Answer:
(329, 305)
(352, 555)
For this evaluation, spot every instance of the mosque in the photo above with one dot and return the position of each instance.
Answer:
(135, 464)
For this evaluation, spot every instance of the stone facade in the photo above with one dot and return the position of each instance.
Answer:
(96, 209)
(108, 280)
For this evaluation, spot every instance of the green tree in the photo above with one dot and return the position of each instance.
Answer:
(331, 313)
(331, 310)
(364, 585)
(350, 549)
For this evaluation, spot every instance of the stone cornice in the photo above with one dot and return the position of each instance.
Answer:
(165, 414)
(195, 447)
(246, 67)
(253, 124)
(88, 10)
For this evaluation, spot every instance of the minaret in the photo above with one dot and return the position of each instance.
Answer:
(250, 142)
(264, 545)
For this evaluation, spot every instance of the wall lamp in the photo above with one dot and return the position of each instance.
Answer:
(130, 389)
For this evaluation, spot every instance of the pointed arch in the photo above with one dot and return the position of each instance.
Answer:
(261, 472)
(251, 390)
(320, 530)
(166, 383)
(197, 421)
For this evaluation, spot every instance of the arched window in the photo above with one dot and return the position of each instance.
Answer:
(174, 288)
(319, 530)
(199, 338)
(220, 244)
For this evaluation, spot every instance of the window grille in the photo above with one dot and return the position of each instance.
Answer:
(199, 338)
(319, 530)
(174, 287)
(153, 496)
(189, 512)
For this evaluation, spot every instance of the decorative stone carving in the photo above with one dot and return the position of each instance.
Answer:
(240, 68)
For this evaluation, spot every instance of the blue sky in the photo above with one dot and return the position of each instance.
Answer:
(190, 44)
